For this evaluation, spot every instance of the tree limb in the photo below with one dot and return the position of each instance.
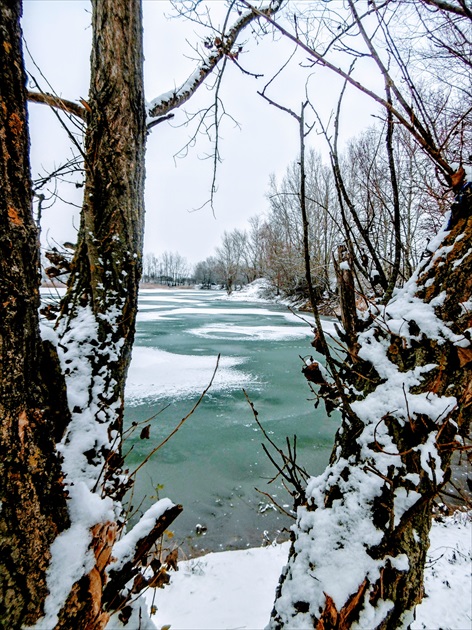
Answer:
(462, 10)
(408, 120)
(58, 103)
(222, 47)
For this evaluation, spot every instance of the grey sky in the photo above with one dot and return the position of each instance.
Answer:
(58, 35)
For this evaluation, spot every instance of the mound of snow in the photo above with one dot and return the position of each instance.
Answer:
(235, 589)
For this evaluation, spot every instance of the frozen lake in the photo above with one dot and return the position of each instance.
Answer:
(213, 464)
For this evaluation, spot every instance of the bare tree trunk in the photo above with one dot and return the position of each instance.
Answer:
(103, 286)
(359, 545)
(107, 266)
(32, 508)
(347, 299)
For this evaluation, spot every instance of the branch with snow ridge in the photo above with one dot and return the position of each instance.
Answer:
(222, 47)
(130, 553)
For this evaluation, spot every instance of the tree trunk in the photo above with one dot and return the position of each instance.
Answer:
(103, 285)
(102, 292)
(32, 508)
(347, 299)
(95, 335)
(360, 542)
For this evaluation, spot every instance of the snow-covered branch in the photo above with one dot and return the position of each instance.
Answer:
(220, 47)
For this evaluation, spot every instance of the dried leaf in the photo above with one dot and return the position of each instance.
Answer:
(313, 373)
(95, 590)
(350, 610)
(160, 579)
(465, 356)
(140, 582)
(145, 432)
(104, 535)
(171, 560)
(457, 178)
(329, 616)
(125, 615)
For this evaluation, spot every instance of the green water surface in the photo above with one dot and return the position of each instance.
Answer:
(215, 462)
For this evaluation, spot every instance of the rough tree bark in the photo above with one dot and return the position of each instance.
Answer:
(98, 314)
(32, 508)
(359, 545)
(106, 268)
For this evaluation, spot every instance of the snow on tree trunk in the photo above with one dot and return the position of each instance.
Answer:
(58, 554)
(32, 503)
(97, 323)
(360, 541)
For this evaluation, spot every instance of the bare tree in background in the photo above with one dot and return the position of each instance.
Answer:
(230, 258)
(284, 223)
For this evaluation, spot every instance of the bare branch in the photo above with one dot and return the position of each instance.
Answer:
(59, 103)
(462, 10)
(153, 123)
(408, 119)
(221, 47)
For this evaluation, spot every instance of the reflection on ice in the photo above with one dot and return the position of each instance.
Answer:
(156, 374)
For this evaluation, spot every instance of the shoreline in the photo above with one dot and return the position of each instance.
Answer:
(155, 285)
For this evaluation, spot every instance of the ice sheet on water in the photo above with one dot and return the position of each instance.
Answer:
(264, 333)
(153, 306)
(307, 320)
(156, 374)
(173, 312)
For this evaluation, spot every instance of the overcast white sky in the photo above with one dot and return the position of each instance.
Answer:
(58, 35)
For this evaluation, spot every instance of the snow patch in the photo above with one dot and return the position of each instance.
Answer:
(155, 374)
(264, 333)
(236, 589)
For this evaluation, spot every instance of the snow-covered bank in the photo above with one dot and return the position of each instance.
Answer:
(235, 589)
(261, 290)
(258, 291)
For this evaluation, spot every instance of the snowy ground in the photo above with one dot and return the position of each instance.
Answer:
(235, 589)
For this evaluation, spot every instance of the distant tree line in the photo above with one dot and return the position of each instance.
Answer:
(170, 269)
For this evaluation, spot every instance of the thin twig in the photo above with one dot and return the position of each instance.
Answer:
(272, 500)
(197, 404)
